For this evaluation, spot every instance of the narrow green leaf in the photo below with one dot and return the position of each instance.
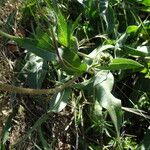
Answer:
(76, 23)
(38, 123)
(6, 129)
(146, 9)
(32, 46)
(145, 145)
(123, 64)
(45, 145)
(63, 30)
(136, 52)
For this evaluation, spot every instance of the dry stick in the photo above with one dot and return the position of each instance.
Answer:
(21, 90)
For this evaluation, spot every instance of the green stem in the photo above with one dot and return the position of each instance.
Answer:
(7, 35)
(56, 45)
(84, 55)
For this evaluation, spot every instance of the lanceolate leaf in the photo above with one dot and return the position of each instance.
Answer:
(45, 144)
(145, 2)
(123, 64)
(32, 46)
(140, 51)
(63, 30)
(6, 130)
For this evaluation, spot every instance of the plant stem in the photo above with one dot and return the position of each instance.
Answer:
(56, 45)
(21, 90)
(7, 35)
(84, 55)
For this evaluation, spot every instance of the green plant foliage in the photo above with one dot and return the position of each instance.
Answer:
(33, 46)
(60, 100)
(123, 64)
(72, 63)
(104, 45)
(64, 35)
(37, 124)
(35, 70)
(145, 2)
(6, 131)
(109, 19)
(44, 39)
(140, 51)
(45, 145)
(103, 85)
(145, 143)
(132, 29)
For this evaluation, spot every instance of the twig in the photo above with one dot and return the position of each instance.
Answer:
(136, 111)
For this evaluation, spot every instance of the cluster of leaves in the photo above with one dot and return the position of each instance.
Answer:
(96, 41)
